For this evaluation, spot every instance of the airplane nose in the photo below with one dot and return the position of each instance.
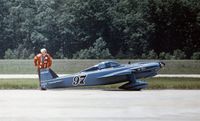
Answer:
(162, 64)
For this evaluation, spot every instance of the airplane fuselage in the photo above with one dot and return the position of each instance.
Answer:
(106, 76)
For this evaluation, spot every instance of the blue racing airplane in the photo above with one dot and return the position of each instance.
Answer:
(107, 72)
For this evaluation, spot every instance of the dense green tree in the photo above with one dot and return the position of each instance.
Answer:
(174, 24)
(196, 56)
(97, 51)
(90, 20)
(130, 28)
(5, 40)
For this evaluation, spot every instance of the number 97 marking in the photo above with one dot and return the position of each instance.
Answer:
(79, 80)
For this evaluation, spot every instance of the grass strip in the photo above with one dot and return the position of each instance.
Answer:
(154, 83)
(67, 66)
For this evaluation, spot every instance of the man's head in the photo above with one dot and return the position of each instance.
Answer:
(43, 51)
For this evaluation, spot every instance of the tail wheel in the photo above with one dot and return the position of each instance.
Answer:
(43, 89)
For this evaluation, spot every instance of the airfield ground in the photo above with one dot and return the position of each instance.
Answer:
(154, 83)
(98, 105)
(8, 69)
(67, 66)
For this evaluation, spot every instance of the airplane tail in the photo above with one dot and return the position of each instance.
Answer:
(44, 76)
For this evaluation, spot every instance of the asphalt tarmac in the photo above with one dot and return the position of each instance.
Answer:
(99, 105)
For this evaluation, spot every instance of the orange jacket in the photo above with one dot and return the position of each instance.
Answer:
(43, 61)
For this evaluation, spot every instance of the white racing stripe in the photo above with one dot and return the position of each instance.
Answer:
(35, 76)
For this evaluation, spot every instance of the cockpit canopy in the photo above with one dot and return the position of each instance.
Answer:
(102, 65)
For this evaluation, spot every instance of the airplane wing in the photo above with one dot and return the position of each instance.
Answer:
(115, 74)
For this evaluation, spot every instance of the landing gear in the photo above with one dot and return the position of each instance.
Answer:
(134, 84)
(43, 87)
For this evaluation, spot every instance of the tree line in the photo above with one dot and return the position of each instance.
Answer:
(149, 29)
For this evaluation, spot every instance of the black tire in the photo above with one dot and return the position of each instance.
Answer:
(43, 89)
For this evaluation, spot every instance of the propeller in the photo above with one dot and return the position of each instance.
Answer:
(162, 64)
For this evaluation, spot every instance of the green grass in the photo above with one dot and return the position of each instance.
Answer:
(174, 83)
(154, 83)
(72, 66)
(19, 84)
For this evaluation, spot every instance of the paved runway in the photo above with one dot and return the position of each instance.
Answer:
(99, 105)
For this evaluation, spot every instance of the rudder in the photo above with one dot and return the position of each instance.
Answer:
(45, 75)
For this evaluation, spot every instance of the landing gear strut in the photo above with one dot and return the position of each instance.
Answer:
(133, 84)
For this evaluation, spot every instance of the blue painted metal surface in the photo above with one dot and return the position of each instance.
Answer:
(107, 72)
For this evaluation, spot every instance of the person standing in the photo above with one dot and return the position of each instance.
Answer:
(42, 61)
